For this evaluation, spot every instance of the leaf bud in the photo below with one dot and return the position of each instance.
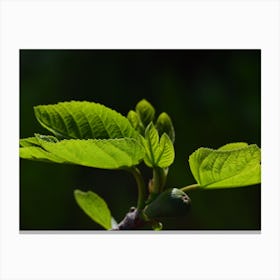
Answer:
(134, 120)
(145, 111)
(164, 125)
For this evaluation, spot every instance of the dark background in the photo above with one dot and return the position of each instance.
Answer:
(213, 97)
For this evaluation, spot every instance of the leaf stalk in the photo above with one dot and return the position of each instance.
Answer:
(141, 187)
(190, 187)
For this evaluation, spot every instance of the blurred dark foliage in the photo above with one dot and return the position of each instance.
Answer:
(212, 96)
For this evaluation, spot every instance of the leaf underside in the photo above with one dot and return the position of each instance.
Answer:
(37, 153)
(95, 207)
(232, 165)
(98, 153)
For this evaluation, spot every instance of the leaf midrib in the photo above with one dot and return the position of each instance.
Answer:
(55, 131)
(151, 151)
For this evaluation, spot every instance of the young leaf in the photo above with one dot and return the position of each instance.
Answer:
(98, 153)
(167, 153)
(83, 120)
(145, 111)
(164, 125)
(159, 153)
(95, 207)
(225, 167)
(151, 143)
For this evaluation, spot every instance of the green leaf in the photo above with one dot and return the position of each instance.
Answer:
(233, 165)
(83, 120)
(167, 154)
(151, 144)
(95, 207)
(31, 149)
(98, 153)
(164, 125)
(145, 111)
(196, 159)
(232, 146)
(159, 153)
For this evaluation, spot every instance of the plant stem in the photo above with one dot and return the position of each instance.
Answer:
(159, 179)
(141, 187)
(190, 188)
(156, 180)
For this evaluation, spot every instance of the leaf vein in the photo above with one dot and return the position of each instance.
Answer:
(240, 171)
(73, 118)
